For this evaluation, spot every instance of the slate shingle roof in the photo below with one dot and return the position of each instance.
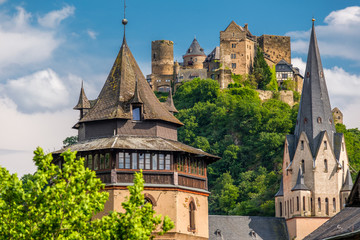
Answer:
(195, 49)
(118, 92)
(83, 102)
(300, 183)
(214, 55)
(281, 189)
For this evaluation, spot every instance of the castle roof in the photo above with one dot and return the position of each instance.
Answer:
(83, 102)
(348, 184)
(169, 103)
(300, 183)
(314, 114)
(214, 55)
(195, 49)
(281, 189)
(120, 90)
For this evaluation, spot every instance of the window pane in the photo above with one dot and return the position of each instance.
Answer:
(85, 161)
(154, 161)
(141, 161)
(107, 160)
(96, 162)
(136, 113)
(167, 161)
(134, 160)
(102, 161)
(161, 161)
(121, 160)
(147, 160)
(90, 162)
(127, 160)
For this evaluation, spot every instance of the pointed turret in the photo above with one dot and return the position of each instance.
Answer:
(169, 103)
(83, 103)
(121, 90)
(195, 49)
(314, 114)
(300, 183)
(280, 193)
(348, 184)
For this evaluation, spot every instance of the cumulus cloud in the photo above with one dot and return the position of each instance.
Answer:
(21, 43)
(92, 34)
(337, 38)
(54, 18)
(343, 88)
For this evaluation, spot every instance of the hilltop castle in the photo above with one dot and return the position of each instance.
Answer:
(235, 55)
(316, 180)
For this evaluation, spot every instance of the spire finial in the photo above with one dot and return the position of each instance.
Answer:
(124, 21)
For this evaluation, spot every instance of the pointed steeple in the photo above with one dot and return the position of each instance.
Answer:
(280, 193)
(314, 114)
(195, 49)
(83, 102)
(300, 183)
(136, 98)
(348, 184)
(169, 103)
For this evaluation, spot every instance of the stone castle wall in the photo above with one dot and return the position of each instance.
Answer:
(162, 57)
(285, 96)
(276, 47)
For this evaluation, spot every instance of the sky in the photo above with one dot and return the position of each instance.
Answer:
(47, 48)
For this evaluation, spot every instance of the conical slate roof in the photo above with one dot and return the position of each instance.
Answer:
(169, 103)
(300, 183)
(120, 90)
(348, 184)
(314, 114)
(281, 189)
(83, 102)
(195, 49)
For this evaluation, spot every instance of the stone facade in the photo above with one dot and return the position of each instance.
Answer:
(275, 47)
(338, 115)
(285, 96)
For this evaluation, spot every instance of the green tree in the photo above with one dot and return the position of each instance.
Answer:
(261, 70)
(70, 141)
(138, 221)
(53, 203)
(273, 85)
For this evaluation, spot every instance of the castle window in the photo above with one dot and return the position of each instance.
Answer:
(127, 160)
(90, 162)
(280, 208)
(233, 34)
(141, 160)
(147, 161)
(325, 145)
(319, 204)
(319, 120)
(233, 56)
(167, 80)
(154, 56)
(303, 165)
(303, 203)
(233, 45)
(233, 65)
(121, 159)
(326, 206)
(161, 161)
(192, 215)
(134, 160)
(154, 161)
(96, 162)
(297, 204)
(136, 113)
(302, 144)
(334, 205)
(325, 166)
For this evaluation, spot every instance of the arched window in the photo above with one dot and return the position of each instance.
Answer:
(297, 204)
(303, 165)
(285, 208)
(192, 215)
(326, 206)
(280, 206)
(334, 205)
(319, 204)
(325, 165)
(303, 203)
(148, 198)
(290, 206)
(311, 204)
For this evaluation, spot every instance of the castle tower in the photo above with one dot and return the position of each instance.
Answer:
(128, 129)
(194, 56)
(315, 164)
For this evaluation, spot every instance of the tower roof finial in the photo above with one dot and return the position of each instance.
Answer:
(124, 21)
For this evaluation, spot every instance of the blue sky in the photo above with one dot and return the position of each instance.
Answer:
(48, 47)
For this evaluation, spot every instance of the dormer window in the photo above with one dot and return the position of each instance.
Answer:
(136, 113)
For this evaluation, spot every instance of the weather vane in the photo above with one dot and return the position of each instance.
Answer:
(124, 21)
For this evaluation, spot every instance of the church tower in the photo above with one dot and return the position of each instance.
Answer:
(316, 179)
(127, 129)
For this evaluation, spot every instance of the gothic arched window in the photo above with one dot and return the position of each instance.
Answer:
(192, 215)
(325, 165)
(326, 206)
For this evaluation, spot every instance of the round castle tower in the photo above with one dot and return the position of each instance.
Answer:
(162, 57)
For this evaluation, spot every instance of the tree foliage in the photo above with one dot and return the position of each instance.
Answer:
(261, 70)
(70, 141)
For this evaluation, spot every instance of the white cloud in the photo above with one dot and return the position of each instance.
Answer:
(337, 38)
(343, 89)
(21, 43)
(42, 90)
(92, 34)
(54, 18)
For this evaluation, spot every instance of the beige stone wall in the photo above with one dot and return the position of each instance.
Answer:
(276, 47)
(338, 116)
(162, 57)
(172, 203)
(300, 227)
(197, 61)
(285, 96)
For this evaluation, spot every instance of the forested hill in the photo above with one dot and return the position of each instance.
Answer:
(247, 134)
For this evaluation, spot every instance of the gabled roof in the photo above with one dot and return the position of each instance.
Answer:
(348, 184)
(300, 183)
(314, 114)
(195, 49)
(83, 102)
(120, 90)
(234, 24)
(337, 145)
(214, 55)
(291, 146)
(281, 189)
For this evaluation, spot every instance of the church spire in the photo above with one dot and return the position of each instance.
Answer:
(314, 116)
(169, 103)
(83, 103)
